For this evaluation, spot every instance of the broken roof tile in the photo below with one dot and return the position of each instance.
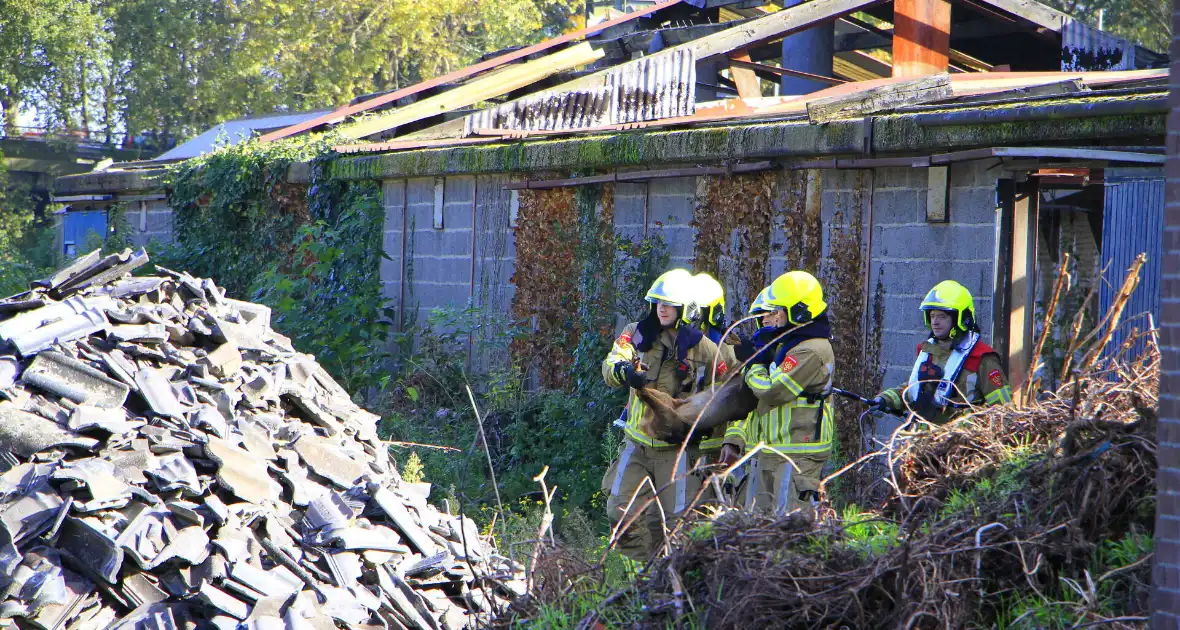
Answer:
(241, 473)
(27, 434)
(325, 458)
(73, 380)
(227, 402)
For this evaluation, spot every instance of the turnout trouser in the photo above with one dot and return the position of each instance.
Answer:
(776, 486)
(626, 478)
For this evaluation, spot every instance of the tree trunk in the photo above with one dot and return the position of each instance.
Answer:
(11, 106)
(84, 97)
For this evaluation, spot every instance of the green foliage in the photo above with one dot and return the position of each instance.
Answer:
(412, 471)
(311, 253)
(1129, 549)
(165, 70)
(1147, 22)
(26, 245)
(328, 295)
(118, 237)
(1008, 479)
(234, 211)
(868, 533)
(526, 431)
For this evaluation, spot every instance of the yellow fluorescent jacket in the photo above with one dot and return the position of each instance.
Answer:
(661, 362)
(785, 419)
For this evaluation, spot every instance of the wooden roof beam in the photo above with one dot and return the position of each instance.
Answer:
(771, 27)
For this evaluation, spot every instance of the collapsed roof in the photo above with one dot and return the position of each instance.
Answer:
(690, 61)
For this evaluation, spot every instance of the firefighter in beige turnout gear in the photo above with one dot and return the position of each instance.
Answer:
(666, 351)
(790, 371)
(954, 367)
(712, 322)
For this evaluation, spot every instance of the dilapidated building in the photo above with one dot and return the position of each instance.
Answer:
(979, 140)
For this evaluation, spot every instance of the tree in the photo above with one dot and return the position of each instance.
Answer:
(180, 66)
(1145, 22)
(43, 56)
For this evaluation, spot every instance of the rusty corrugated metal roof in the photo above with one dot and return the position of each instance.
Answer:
(737, 109)
(654, 88)
(462, 73)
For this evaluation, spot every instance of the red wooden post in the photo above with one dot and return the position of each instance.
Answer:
(921, 37)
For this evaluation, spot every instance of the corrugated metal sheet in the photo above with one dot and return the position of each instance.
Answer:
(1133, 224)
(1086, 48)
(662, 86)
(77, 225)
(232, 132)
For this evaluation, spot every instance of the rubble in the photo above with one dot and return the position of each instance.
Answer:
(167, 460)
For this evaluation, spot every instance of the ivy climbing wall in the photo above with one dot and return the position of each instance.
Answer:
(753, 227)
(580, 281)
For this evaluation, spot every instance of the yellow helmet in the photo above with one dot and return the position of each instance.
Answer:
(951, 296)
(799, 293)
(676, 288)
(711, 298)
(760, 306)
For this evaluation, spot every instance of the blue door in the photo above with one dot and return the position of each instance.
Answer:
(1132, 224)
(77, 224)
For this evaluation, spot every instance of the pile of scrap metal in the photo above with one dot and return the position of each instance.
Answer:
(168, 460)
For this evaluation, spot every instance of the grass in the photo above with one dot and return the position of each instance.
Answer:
(1008, 479)
(869, 533)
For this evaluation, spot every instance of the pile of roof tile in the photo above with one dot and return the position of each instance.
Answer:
(168, 460)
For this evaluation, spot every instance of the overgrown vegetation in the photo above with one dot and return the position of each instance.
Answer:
(1018, 516)
(312, 253)
(26, 242)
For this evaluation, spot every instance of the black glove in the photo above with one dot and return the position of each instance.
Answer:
(627, 373)
(764, 356)
(878, 404)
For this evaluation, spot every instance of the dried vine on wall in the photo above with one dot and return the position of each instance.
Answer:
(733, 217)
(545, 279)
(843, 276)
(565, 251)
(799, 222)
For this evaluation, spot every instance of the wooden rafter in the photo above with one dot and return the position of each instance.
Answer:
(768, 28)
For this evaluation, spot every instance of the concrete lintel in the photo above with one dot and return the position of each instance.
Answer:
(891, 135)
(109, 182)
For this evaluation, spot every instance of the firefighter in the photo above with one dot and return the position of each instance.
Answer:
(666, 350)
(790, 372)
(954, 367)
(711, 296)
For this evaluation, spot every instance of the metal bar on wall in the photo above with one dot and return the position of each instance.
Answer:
(471, 289)
(401, 284)
(1006, 196)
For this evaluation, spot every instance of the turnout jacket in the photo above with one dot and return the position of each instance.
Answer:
(981, 381)
(794, 414)
(663, 365)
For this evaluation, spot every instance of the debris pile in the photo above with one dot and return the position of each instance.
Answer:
(168, 460)
(1007, 515)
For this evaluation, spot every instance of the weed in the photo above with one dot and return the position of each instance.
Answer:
(868, 533)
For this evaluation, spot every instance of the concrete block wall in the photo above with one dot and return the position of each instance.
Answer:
(909, 255)
(149, 221)
(468, 259)
(670, 209)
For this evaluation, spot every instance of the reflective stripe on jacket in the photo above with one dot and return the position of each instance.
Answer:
(661, 362)
(793, 414)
